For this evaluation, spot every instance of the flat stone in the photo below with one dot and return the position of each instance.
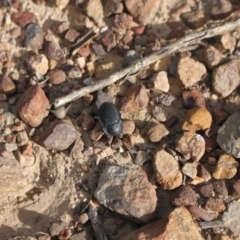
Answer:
(220, 9)
(215, 204)
(170, 179)
(135, 99)
(38, 63)
(164, 98)
(191, 146)
(200, 213)
(7, 86)
(228, 136)
(156, 132)
(94, 10)
(226, 78)
(112, 7)
(194, 19)
(142, 11)
(12, 178)
(183, 196)
(33, 105)
(190, 170)
(231, 218)
(160, 81)
(33, 37)
(189, 71)
(193, 98)
(59, 135)
(197, 119)
(54, 51)
(56, 76)
(213, 57)
(123, 21)
(226, 167)
(23, 18)
(126, 190)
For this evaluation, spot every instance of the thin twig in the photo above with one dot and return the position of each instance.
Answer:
(144, 62)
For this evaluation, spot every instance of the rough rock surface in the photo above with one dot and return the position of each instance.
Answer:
(12, 178)
(127, 191)
(156, 132)
(230, 131)
(180, 220)
(213, 57)
(226, 78)
(33, 105)
(171, 178)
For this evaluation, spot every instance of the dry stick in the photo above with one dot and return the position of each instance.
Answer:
(146, 61)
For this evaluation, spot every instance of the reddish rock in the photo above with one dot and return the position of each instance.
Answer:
(61, 27)
(33, 105)
(54, 51)
(71, 35)
(200, 213)
(193, 98)
(206, 189)
(7, 86)
(86, 120)
(191, 146)
(33, 37)
(183, 196)
(123, 20)
(142, 11)
(190, 71)
(214, 204)
(138, 30)
(38, 63)
(108, 40)
(84, 51)
(194, 19)
(128, 127)
(156, 132)
(226, 78)
(220, 9)
(211, 143)
(219, 116)
(59, 135)
(135, 99)
(23, 18)
(56, 76)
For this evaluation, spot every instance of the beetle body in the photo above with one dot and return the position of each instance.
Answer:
(110, 119)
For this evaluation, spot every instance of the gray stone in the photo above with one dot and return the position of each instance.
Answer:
(126, 190)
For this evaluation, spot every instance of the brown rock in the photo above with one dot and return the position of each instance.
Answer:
(71, 35)
(84, 51)
(59, 135)
(142, 11)
(83, 235)
(135, 99)
(33, 37)
(94, 10)
(214, 204)
(213, 57)
(156, 132)
(200, 213)
(197, 119)
(203, 172)
(113, 7)
(108, 40)
(98, 49)
(171, 121)
(221, 187)
(23, 18)
(60, 27)
(76, 151)
(38, 63)
(183, 196)
(180, 220)
(226, 78)
(211, 143)
(194, 19)
(226, 167)
(219, 116)
(160, 81)
(33, 105)
(12, 178)
(61, 3)
(128, 127)
(228, 42)
(123, 20)
(7, 86)
(193, 98)
(104, 70)
(56, 76)
(236, 188)
(171, 178)
(190, 71)
(221, 9)
(191, 146)
(54, 51)
(190, 170)
(128, 193)
(21, 138)
(86, 120)
(206, 189)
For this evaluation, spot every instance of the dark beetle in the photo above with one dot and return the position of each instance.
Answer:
(110, 119)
